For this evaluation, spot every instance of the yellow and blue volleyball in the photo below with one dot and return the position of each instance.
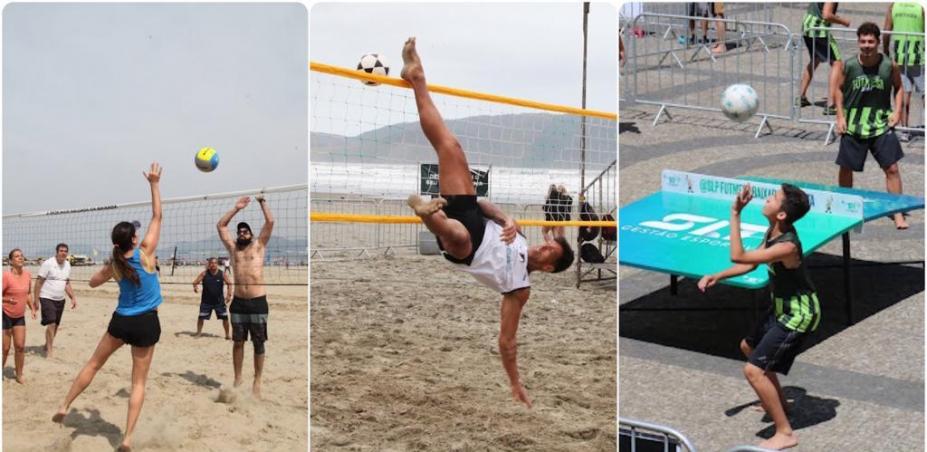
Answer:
(207, 159)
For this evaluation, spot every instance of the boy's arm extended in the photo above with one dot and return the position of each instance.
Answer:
(762, 255)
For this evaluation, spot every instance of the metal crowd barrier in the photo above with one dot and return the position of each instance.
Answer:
(663, 68)
(638, 433)
(667, 70)
(820, 85)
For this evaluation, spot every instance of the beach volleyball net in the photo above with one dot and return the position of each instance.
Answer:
(188, 234)
(368, 154)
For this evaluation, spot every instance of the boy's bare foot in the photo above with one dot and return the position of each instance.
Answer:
(899, 221)
(227, 337)
(237, 382)
(780, 441)
(256, 390)
(423, 207)
(412, 69)
(59, 416)
(20, 379)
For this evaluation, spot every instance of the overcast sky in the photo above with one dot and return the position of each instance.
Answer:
(92, 93)
(525, 50)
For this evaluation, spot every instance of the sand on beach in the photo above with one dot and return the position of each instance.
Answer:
(181, 410)
(405, 357)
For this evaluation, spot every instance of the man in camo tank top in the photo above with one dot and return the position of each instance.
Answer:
(906, 45)
(862, 87)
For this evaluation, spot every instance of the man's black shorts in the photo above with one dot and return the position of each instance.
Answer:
(465, 209)
(249, 318)
(143, 330)
(885, 148)
(774, 346)
(822, 50)
(52, 310)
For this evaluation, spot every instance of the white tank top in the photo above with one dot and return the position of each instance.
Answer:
(499, 266)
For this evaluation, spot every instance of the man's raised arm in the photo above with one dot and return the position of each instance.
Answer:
(223, 225)
(268, 227)
(512, 304)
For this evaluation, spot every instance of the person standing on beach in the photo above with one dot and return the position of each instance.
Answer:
(16, 296)
(213, 298)
(52, 283)
(249, 306)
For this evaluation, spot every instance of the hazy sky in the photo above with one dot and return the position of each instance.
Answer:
(531, 51)
(92, 93)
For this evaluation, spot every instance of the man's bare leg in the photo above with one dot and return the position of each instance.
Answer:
(845, 177)
(453, 235)
(258, 372)
(199, 327)
(893, 184)
(453, 169)
(50, 331)
(238, 356)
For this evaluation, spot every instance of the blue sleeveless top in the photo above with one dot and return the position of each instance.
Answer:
(135, 300)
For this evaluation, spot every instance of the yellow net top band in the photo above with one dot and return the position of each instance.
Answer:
(360, 75)
(396, 219)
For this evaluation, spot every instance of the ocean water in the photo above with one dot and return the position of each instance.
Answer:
(394, 181)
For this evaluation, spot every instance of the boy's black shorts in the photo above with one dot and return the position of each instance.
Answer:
(774, 346)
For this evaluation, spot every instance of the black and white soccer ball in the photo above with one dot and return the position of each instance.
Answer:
(373, 63)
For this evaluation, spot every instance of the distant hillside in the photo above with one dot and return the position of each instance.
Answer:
(530, 140)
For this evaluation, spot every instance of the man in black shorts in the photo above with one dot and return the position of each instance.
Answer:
(863, 87)
(475, 234)
(821, 46)
(249, 307)
(213, 298)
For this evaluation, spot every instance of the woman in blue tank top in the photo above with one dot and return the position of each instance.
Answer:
(135, 321)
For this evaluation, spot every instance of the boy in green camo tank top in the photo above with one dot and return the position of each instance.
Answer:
(795, 311)
(862, 86)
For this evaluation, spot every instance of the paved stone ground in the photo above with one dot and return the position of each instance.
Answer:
(855, 388)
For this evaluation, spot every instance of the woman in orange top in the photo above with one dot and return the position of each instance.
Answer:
(16, 296)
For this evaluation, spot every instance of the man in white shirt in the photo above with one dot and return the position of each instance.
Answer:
(51, 284)
(494, 252)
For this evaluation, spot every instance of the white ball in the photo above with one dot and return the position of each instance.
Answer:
(739, 102)
(373, 63)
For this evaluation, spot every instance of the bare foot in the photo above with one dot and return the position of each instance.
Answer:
(124, 448)
(59, 416)
(237, 382)
(256, 390)
(719, 48)
(781, 441)
(412, 69)
(423, 207)
(20, 379)
(899, 221)
(228, 338)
